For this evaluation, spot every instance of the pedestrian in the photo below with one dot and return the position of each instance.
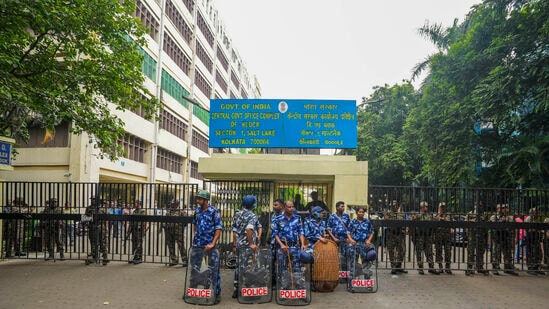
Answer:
(395, 239)
(338, 225)
(477, 240)
(207, 227)
(97, 232)
(443, 240)
(246, 233)
(68, 226)
(138, 230)
(503, 240)
(533, 245)
(175, 233)
(52, 230)
(290, 236)
(423, 239)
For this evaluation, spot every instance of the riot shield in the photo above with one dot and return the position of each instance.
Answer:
(199, 278)
(293, 278)
(362, 261)
(254, 276)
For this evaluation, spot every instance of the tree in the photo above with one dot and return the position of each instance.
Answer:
(71, 61)
(380, 121)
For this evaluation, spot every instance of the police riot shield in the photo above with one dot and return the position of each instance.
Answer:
(362, 261)
(254, 276)
(293, 278)
(200, 277)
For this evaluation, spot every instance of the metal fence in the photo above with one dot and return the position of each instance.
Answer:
(23, 218)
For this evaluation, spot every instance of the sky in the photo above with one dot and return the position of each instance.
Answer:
(333, 50)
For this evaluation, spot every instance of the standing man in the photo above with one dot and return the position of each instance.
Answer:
(443, 238)
(338, 228)
(290, 237)
(246, 232)
(423, 240)
(138, 229)
(97, 232)
(52, 231)
(207, 229)
(533, 245)
(502, 241)
(477, 239)
(395, 239)
(278, 209)
(175, 233)
(69, 226)
(315, 202)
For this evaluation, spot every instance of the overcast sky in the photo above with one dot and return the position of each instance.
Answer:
(329, 49)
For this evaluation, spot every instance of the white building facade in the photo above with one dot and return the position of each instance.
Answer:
(189, 58)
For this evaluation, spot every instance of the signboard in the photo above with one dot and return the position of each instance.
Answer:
(5, 153)
(278, 123)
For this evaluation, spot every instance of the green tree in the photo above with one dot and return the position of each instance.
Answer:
(380, 122)
(71, 61)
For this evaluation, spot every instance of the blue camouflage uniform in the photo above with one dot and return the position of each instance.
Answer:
(206, 223)
(339, 226)
(288, 230)
(243, 220)
(360, 232)
(314, 230)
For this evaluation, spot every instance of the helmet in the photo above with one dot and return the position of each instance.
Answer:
(249, 201)
(231, 261)
(305, 257)
(203, 194)
(316, 209)
(371, 254)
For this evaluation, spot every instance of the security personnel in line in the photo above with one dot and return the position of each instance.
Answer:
(138, 230)
(477, 239)
(207, 227)
(246, 231)
(443, 239)
(175, 233)
(52, 230)
(502, 241)
(395, 239)
(314, 227)
(97, 232)
(423, 240)
(290, 236)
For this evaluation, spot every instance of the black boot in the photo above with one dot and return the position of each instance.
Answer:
(61, 256)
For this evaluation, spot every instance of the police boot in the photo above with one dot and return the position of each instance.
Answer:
(432, 270)
(448, 270)
(235, 290)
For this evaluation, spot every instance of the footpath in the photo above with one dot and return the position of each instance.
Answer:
(71, 284)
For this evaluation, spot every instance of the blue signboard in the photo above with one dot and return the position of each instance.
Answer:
(5, 153)
(279, 123)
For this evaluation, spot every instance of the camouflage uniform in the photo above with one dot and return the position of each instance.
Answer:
(138, 230)
(502, 242)
(395, 239)
(313, 230)
(339, 228)
(288, 231)
(244, 220)
(52, 231)
(533, 245)
(443, 238)
(16, 229)
(97, 233)
(175, 233)
(423, 243)
(477, 239)
(206, 223)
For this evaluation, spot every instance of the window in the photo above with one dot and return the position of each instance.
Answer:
(177, 55)
(203, 56)
(194, 171)
(178, 21)
(203, 26)
(202, 84)
(200, 141)
(147, 19)
(168, 160)
(134, 147)
(220, 81)
(234, 79)
(222, 59)
(36, 136)
(173, 124)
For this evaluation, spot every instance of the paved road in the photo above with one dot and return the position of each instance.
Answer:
(71, 284)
